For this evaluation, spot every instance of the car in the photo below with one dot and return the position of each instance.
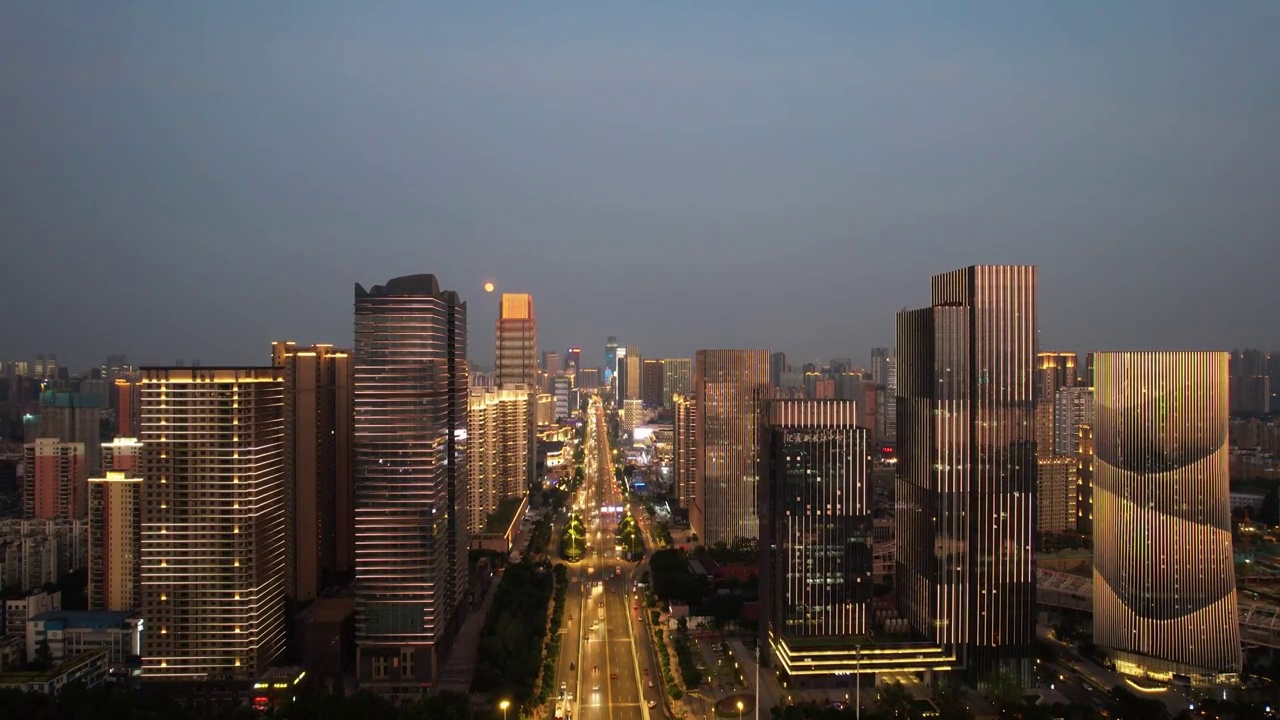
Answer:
(614, 676)
(653, 704)
(595, 668)
(650, 683)
(646, 671)
(595, 686)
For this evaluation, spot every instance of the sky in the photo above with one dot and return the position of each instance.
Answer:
(195, 180)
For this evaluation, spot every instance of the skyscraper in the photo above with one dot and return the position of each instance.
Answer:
(967, 471)
(411, 390)
(1164, 596)
(213, 521)
(651, 380)
(1054, 371)
(1072, 407)
(123, 454)
(551, 363)
(318, 415)
(684, 463)
(516, 360)
(115, 541)
(497, 449)
(73, 417)
(731, 387)
(55, 484)
(634, 375)
(573, 359)
(676, 376)
(815, 533)
(610, 358)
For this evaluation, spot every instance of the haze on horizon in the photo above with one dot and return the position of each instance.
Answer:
(196, 180)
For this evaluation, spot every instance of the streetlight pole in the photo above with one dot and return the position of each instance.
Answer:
(740, 710)
(504, 705)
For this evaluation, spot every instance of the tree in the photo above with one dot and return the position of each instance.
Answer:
(1005, 692)
(952, 702)
(895, 700)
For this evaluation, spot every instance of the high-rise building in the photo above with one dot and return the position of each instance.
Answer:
(1072, 407)
(880, 361)
(1250, 382)
(128, 419)
(411, 391)
(573, 359)
(632, 415)
(55, 486)
(1054, 371)
(115, 541)
(1084, 479)
(651, 383)
(516, 361)
(610, 358)
(213, 557)
(815, 535)
(684, 463)
(551, 363)
(731, 387)
(123, 454)
(561, 392)
(497, 449)
(73, 417)
(630, 373)
(318, 434)
(967, 471)
(676, 376)
(777, 368)
(1164, 590)
(1056, 494)
(588, 378)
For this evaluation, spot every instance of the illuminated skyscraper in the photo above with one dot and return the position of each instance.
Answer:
(497, 449)
(516, 360)
(55, 484)
(411, 390)
(123, 454)
(317, 463)
(610, 358)
(1072, 407)
(1054, 371)
(731, 387)
(967, 466)
(684, 464)
(677, 373)
(115, 541)
(213, 521)
(1164, 590)
(573, 360)
(815, 534)
(651, 381)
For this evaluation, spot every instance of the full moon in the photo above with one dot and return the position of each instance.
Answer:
(488, 287)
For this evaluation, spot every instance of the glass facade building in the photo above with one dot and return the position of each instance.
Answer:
(1164, 595)
(410, 387)
(815, 531)
(967, 468)
(730, 388)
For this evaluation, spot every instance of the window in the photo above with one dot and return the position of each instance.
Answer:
(379, 667)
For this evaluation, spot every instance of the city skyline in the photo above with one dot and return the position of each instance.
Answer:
(829, 156)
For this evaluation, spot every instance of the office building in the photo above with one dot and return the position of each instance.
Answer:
(778, 367)
(1056, 494)
(563, 393)
(684, 451)
(552, 365)
(213, 521)
(587, 378)
(1084, 480)
(318, 436)
(816, 536)
(1054, 371)
(632, 415)
(67, 633)
(730, 388)
(652, 377)
(676, 376)
(1164, 590)
(1250, 382)
(610, 359)
(967, 471)
(411, 398)
(516, 360)
(56, 481)
(497, 449)
(115, 541)
(573, 360)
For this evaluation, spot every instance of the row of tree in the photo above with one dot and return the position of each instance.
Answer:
(512, 639)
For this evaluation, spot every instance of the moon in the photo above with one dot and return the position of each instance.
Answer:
(488, 287)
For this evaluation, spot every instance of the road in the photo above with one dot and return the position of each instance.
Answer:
(615, 662)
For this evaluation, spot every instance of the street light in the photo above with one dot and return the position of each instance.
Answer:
(739, 710)
(504, 705)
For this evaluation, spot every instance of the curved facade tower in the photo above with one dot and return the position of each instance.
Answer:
(1164, 583)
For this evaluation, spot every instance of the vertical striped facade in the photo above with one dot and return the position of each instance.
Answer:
(410, 396)
(731, 387)
(815, 529)
(967, 467)
(684, 463)
(213, 558)
(1164, 581)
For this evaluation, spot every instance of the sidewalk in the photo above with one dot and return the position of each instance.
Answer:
(460, 667)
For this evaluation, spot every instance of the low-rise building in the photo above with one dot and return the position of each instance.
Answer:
(17, 610)
(89, 668)
(69, 633)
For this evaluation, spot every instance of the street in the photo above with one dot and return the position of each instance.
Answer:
(606, 640)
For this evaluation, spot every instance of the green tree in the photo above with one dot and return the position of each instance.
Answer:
(894, 700)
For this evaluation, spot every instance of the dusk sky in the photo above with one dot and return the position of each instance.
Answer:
(195, 180)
